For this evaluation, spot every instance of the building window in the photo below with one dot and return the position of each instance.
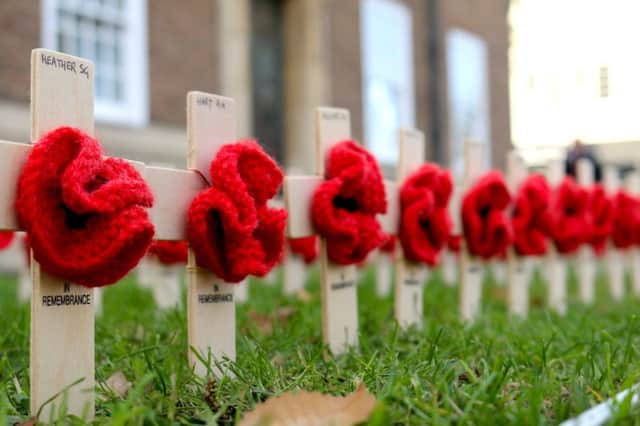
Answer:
(387, 73)
(467, 95)
(604, 82)
(112, 34)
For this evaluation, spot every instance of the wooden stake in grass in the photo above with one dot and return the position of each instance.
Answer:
(613, 256)
(210, 301)
(410, 276)
(585, 258)
(471, 268)
(450, 259)
(555, 261)
(337, 282)
(632, 185)
(518, 267)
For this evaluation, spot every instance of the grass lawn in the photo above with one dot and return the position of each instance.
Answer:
(499, 370)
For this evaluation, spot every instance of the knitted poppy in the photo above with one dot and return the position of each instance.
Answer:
(169, 252)
(85, 215)
(530, 218)
(601, 209)
(570, 224)
(307, 247)
(425, 224)
(345, 205)
(231, 229)
(6, 237)
(389, 246)
(454, 243)
(487, 229)
(626, 222)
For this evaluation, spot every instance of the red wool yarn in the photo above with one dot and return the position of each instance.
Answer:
(530, 219)
(570, 222)
(487, 229)
(169, 252)
(601, 209)
(626, 222)
(345, 205)
(306, 247)
(389, 246)
(85, 215)
(231, 229)
(6, 238)
(425, 225)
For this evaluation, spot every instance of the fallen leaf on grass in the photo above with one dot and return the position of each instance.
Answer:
(304, 296)
(312, 408)
(119, 384)
(264, 323)
(32, 421)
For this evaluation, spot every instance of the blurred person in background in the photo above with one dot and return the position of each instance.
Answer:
(576, 152)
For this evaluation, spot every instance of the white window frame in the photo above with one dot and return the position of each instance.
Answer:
(385, 22)
(133, 110)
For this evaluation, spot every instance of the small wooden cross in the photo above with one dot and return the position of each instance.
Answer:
(632, 185)
(613, 256)
(471, 268)
(585, 257)
(210, 301)
(337, 282)
(556, 262)
(410, 276)
(519, 268)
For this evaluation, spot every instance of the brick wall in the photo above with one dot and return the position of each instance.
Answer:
(19, 33)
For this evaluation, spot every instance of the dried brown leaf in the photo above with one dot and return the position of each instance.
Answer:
(119, 384)
(31, 421)
(312, 408)
(304, 296)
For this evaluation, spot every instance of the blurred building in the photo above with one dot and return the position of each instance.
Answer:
(439, 65)
(574, 76)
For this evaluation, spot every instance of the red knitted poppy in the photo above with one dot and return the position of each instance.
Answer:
(626, 223)
(85, 215)
(345, 205)
(169, 252)
(570, 225)
(487, 229)
(531, 219)
(425, 224)
(454, 243)
(6, 237)
(602, 212)
(307, 247)
(230, 227)
(389, 246)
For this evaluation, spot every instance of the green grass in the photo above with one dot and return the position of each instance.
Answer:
(499, 370)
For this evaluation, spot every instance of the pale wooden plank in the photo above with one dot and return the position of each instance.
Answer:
(173, 191)
(471, 269)
(338, 283)
(298, 195)
(585, 258)
(389, 221)
(613, 256)
(410, 276)
(632, 185)
(12, 158)
(62, 337)
(555, 262)
(210, 301)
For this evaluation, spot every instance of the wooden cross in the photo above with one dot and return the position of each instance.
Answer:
(410, 276)
(162, 280)
(613, 256)
(210, 301)
(632, 185)
(555, 261)
(449, 266)
(471, 268)
(519, 268)
(62, 334)
(337, 282)
(585, 258)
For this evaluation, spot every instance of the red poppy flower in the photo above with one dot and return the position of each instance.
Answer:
(570, 224)
(626, 222)
(425, 224)
(85, 215)
(307, 247)
(169, 252)
(389, 246)
(345, 205)
(230, 227)
(487, 229)
(6, 238)
(530, 217)
(602, 212)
